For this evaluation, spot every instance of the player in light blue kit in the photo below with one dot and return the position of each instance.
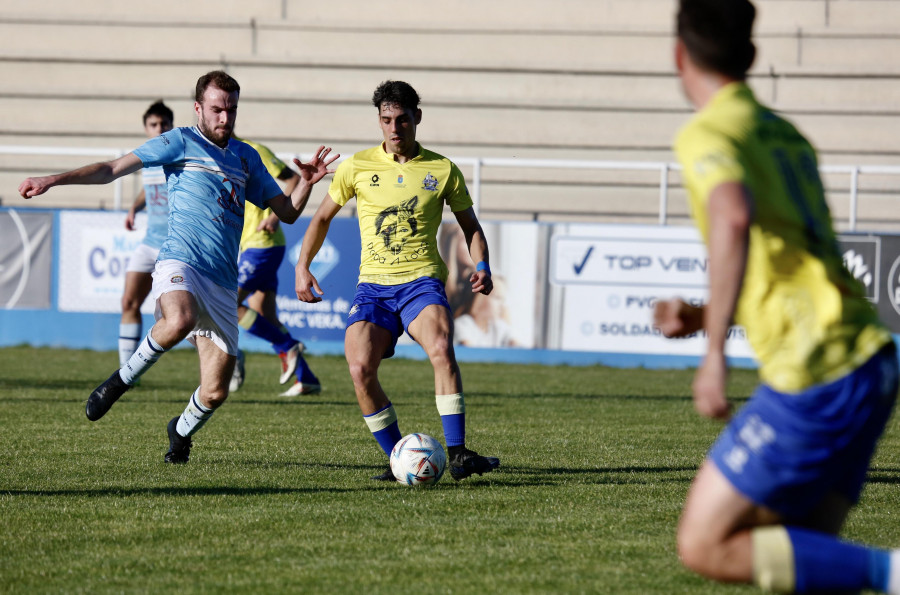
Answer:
(209, 177)
(158, 119)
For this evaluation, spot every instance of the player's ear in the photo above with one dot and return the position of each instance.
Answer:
(418, 116)
(198, 108)
(680, 55)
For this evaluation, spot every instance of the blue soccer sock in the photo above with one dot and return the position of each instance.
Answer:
(822, 563)
(452, 409)
(383, 425)
(304, 374)
(257, 325)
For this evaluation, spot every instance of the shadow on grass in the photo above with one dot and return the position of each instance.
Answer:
(181, 491)
(885, 475)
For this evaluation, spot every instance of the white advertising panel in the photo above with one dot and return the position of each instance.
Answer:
(94, 249)
(611, 278)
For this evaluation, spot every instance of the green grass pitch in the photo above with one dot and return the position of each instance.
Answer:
(596, 463)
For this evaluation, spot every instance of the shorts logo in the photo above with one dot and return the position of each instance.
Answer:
(176, 279)
(736, 458)
(430, 182)
(353, 310)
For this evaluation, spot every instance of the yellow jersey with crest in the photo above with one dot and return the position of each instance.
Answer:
(253, 215)
(806, 317)
(400, 206)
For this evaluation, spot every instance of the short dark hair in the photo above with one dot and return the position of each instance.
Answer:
(216, 78)
(717, 34)
(396, 93)
(159, 109)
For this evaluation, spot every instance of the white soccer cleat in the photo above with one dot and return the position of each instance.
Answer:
(302, 388)
(289, 362)
(237, 377)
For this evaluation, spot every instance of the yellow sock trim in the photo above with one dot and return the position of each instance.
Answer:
(773, 559)
(450, 404)
(248, 318)
(381, 420)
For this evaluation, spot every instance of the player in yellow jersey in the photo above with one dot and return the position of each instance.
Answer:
(262, 250)
(774, 491)
(400, 190)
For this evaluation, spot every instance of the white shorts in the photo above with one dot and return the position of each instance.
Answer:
(218, 306)
(142, 260)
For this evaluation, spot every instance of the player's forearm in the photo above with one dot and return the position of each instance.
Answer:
(728, 246)
(298, 199)
(95, 173)
(312, 242)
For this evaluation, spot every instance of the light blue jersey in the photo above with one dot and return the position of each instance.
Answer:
(157, 205)
(207, 187)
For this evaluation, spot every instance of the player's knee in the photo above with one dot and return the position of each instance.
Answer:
(696, 551)
(181, 323)
(130, 304)
(362, 371)
(440, 352)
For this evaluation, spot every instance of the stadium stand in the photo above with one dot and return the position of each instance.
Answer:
(578, 79)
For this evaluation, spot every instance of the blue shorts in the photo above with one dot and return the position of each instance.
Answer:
(258, 268)
(786, 451)
(394, 307)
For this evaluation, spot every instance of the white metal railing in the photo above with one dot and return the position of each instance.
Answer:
(479, 163)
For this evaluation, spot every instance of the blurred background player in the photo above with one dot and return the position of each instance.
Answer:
(401, 189)
(262, 250)
(210, 177)
(777, 485)
(139, 275)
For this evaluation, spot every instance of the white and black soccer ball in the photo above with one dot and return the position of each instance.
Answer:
(418, 460)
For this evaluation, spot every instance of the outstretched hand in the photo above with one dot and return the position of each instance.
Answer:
(317, 167)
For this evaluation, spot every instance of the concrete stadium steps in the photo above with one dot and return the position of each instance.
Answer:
(869, 15)
(304, 121)
(541, 47)
(791, 89)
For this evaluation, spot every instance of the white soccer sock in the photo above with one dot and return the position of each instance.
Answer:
(129, 338)
(194, 416)
(894, 574)
(147, 354)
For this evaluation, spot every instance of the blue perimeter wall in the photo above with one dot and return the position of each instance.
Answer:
(49, 328)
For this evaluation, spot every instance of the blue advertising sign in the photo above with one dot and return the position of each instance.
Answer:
(336, 267)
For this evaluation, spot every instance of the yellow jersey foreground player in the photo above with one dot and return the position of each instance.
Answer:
(777, 485)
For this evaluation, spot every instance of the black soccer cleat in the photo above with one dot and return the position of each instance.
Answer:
(104, 396)
(179, 446)
(468, 462)
(388, 475)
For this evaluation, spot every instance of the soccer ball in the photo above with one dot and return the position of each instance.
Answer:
(418, 460)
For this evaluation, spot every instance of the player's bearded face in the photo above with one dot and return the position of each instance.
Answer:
(216, 114)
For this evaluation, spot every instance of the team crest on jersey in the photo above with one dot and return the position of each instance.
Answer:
(176, 279)
(400, 179)
(430, 182)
